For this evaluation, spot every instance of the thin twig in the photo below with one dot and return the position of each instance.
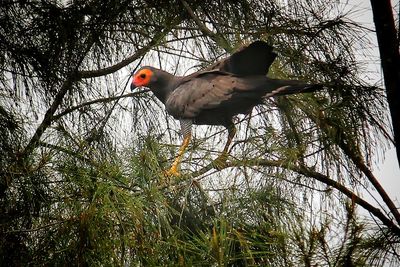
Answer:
(203, 28)
(48, 117)
(34, 229)
(100, 100)
(139, 53)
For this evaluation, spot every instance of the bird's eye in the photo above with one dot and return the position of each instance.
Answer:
(142, 78)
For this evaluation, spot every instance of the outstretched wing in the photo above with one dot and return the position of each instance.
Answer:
(254, 59)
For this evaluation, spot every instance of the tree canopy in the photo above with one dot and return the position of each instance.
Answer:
(82, 159)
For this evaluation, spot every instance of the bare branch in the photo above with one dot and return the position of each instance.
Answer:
(390, 60)
(139, 53)
(48, 117)
(100, 100)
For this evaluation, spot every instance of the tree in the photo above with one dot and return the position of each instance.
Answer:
(81, 167)
(390, 59)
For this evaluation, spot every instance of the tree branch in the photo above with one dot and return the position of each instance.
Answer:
(305, 171)
(100, 100)
(388, 43)
(353, 153)
(68, 152)
(75, 76)
(222, 42)
(359, 162)
(48, 117)
(140, 52)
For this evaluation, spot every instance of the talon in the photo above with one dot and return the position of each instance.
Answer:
(173, 171)
(220, 162)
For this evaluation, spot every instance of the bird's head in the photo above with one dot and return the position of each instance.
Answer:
(160, 82)
(143, 77)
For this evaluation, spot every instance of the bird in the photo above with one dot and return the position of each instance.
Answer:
(216, 94)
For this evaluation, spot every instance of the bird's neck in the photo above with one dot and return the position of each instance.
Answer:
(166, 84)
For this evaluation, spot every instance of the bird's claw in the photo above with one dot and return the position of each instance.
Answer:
(173, 171)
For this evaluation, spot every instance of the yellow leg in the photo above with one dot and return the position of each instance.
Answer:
(220, 162)
(173, 171)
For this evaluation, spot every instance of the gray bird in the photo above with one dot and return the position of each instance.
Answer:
(213, 96)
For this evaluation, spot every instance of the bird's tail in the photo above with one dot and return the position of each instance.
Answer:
(288, 87)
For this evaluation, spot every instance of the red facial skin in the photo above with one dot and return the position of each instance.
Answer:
(142, 78)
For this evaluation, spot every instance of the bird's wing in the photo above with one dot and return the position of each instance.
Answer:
(254, 59)
(207, 90)
(227, 93)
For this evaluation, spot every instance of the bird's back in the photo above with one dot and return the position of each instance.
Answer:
(219, 95)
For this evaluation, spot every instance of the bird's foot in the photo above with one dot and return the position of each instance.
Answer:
(220, 162)
(173, 171)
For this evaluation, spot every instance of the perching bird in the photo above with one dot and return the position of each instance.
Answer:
(215, 95)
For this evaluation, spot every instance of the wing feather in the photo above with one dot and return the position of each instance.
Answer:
(209, 90)
(254, 59)
(227, 93)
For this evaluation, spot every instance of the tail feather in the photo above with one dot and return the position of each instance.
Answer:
(293, 87)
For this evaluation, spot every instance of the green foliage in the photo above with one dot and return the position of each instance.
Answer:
(82, 163)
